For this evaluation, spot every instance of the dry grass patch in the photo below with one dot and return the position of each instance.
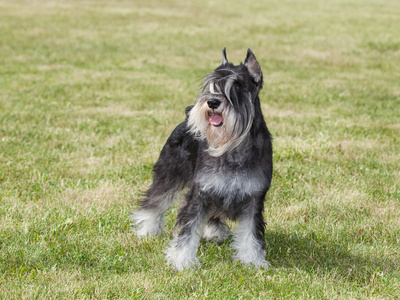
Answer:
(100, 198)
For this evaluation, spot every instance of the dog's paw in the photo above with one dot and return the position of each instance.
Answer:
(182, 263)
(145, 223)
(257, 264)
(181, 258)
(262, 264)
(255, 259)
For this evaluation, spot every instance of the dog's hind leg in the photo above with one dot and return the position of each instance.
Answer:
(172, 172)
(149, 218)
(216, 230)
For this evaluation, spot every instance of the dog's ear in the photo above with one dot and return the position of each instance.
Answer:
(254, 67)
(224, 59)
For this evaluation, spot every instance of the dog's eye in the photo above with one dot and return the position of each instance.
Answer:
(238, 87)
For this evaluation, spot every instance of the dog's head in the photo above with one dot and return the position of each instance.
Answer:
(224, 110)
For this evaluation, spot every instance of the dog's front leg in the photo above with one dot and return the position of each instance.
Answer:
(190, 222)
(248, 236)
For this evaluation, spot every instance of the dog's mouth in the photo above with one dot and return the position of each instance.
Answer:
(215, 119)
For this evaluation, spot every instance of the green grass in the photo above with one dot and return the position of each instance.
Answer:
(89, 92)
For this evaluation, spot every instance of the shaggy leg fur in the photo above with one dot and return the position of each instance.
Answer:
(216, 230)
(149, 220)
(189, 227)
(248, 239)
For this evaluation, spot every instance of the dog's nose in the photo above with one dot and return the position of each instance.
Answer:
(213, 103)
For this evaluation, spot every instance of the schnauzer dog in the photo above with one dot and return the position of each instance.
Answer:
(223, 153)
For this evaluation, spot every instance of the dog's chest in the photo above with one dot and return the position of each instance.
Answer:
(230, 183)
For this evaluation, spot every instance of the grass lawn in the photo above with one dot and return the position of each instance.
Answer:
(90, 91)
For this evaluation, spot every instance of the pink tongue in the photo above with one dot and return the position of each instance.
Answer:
(215, 120)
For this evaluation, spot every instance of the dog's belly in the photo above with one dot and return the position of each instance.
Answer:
(234, 185)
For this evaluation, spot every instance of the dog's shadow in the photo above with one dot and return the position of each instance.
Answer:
(311, 253)
(314, 255)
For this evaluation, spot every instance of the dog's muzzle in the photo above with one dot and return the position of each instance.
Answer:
(215, 119)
